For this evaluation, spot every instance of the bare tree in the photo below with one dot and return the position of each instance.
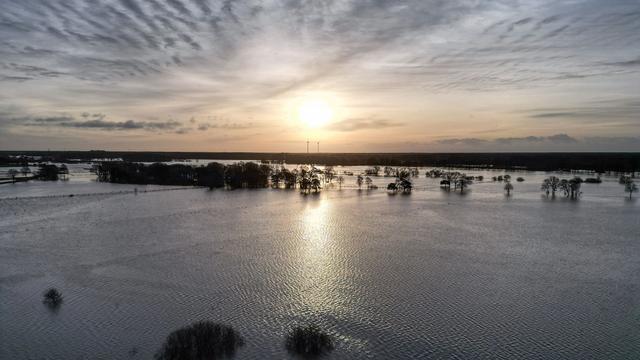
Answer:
(571, 188)
(12, 173)
(368, 182)
(462, 182)
(550, 185)
(315, 183)
(508, 187)
(630, 187)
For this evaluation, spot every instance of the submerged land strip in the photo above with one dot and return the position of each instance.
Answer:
(596, 162)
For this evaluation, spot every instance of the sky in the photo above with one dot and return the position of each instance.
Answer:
(355, 76)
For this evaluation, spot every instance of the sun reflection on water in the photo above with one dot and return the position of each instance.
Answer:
(318, 270)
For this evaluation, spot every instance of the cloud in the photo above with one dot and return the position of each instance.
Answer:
(463, 141)
(633, 62)
(555, 142)
(356, 124)
(557, 138)
(555, 114)
(53, 119)
(593, 111)
(96, 122)
(561, 138)
(160, 58)
(122, 125)
(226, 126)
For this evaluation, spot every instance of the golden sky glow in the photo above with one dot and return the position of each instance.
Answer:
(357, 76)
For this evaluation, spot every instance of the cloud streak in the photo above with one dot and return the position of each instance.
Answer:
(543, 66)
(362, 124)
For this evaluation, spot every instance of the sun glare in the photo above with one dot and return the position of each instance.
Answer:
(315, 113)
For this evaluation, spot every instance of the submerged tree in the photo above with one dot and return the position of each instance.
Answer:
(389, 171)
(373, 171)
(289, 178)
(211, 176)
(276, 177)
(340, 181)
(630, 187)
(550, 185)
(52, 298)
(359, 181)
(309, 341)
(571, 188)
(508, 188)
(329, 174)
(12, 173)
(405, 185)
(392, 187)
(304, 180)
(48, 172)
(462, 182)
(623, 179)
(315, 183)
(368, 182)
(199, 341)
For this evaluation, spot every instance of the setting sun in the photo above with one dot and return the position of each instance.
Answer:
(315, 113)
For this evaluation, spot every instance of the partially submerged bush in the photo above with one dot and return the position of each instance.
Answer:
(200, 341)
(309, 341)
(52, 297)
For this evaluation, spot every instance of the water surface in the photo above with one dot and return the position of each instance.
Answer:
(432, 275)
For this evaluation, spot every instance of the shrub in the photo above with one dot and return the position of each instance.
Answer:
(309, 341)
(52, 297)
(201, 340)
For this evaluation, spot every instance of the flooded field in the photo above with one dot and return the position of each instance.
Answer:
(431, 275)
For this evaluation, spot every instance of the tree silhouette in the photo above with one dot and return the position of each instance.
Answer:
(630, 187)
(329, 174)
(445, 184)
(12, 173)
(201, 340)
(48, 172)
(550, 185)
(304, 180)
(508, 187)
(340, 181)
(289, 178)
(309, 341)
(571, 188)
(315, 183)
(393, 187)
(368, 182)
(359, 181)
(373, 171)
(462, 182)
(406, 186)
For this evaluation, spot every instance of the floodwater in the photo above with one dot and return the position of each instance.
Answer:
(431, 275)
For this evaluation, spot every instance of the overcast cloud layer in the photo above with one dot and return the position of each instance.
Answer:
(448, 75)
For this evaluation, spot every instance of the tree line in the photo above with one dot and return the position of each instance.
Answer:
(599, 162)
(306, 178)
